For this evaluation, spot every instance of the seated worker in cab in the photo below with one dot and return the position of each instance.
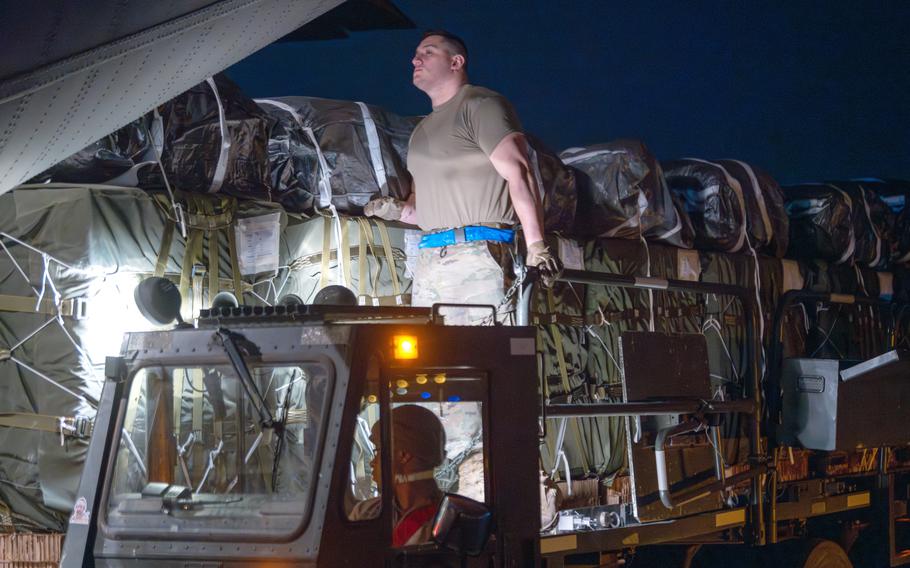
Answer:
(418, 448)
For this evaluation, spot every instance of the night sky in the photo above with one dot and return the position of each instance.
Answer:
(807, 90)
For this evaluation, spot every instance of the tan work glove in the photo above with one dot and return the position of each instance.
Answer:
(387, 208)
(549, 265)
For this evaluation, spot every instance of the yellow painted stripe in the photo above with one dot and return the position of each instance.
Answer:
(819, 508)
(730, 518)
(858, 499)
(558, 543)
(631, 540)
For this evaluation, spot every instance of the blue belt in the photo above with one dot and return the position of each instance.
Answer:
(466, 234)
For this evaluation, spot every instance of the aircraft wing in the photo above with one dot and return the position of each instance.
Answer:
(72, 71)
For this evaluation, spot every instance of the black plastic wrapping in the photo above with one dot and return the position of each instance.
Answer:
(340, 131)
(622, 194)
(766, 216)
(105, 159)
(714, 201)
(873, 225)
(557, 187)
(821, 223)
(193, 142)
(895, 194)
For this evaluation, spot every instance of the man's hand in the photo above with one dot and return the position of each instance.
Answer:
(549, 265)
(387, 208)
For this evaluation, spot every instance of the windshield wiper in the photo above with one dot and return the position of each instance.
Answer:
(232, 343)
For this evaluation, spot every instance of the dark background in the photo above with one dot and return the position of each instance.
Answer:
(809, 90)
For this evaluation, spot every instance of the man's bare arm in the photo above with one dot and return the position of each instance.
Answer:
(409, 210)
(510, 159)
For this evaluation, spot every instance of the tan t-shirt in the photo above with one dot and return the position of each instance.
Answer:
(449, 159)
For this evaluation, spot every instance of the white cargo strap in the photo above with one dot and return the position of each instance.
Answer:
(738, 192)
(560, 457)
(759, 198)
(851, 247)
(324, 173)
(375, 150)
(634, 221)
(224, 153)
(644, 241)
(213, 455)
(156, 135)
(878, 238)
(325, 188)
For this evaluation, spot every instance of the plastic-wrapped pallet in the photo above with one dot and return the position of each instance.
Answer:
(873, 225)
(84, 272)
(557, 187)
(215, 139)
(622, 194)
(325, 152)
(768, 224)
(821, 223)
(366, 255)
(896, 195)
(714, 201)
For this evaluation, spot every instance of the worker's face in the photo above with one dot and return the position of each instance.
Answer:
(432, 63)
(376, 463)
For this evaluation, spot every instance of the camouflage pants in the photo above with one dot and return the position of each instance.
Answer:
(475, 272)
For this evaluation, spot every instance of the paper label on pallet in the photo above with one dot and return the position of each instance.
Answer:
(570, 254)
(81, 514)
(257, 243)
(793, 278)
(885, 285)
(688, 265)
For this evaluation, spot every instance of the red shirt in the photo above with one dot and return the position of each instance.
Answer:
(411, 523)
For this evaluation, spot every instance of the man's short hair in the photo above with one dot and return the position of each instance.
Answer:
(455, 44)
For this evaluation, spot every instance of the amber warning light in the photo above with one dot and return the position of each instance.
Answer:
(405, 346)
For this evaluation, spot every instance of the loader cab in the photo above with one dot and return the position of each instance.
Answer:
(274, 463)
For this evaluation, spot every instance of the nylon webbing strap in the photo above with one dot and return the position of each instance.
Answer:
(199, 450)
(25, 421)
(326, 249)
(165, 250)
(344, 256)
(235, 264)
(362, 260)
(177, 400)
(375, 151)
(214, 264)
(564, 371)
(74, 307)
(371, 245)
(190, 257)
(389, 256)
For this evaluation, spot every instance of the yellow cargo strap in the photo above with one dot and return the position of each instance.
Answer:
(345, 252)
(177, 400)
(235, 264)
(203, 221)
(326, 248)
(366, 235)
(363, 262)
(390, 258)
(63, 425)
(564, 374)
(199, 450)
(164, 252)
(73, 307)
